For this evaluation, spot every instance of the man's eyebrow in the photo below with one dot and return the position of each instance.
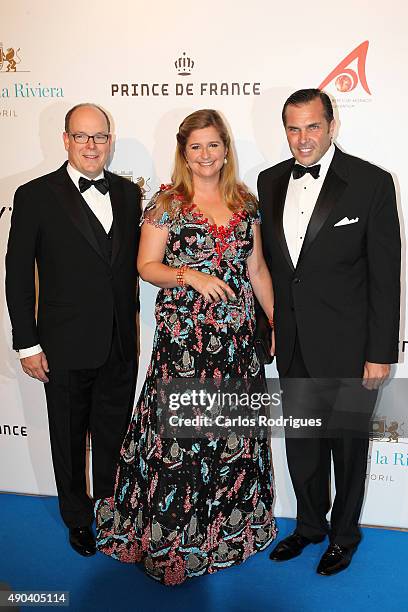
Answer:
(288, 125)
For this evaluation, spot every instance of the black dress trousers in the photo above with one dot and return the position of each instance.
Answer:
(345, 409)
(95, 401)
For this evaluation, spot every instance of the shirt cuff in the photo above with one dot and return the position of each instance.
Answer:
(30, 351)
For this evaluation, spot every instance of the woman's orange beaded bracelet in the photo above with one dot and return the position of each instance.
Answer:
(180, 276)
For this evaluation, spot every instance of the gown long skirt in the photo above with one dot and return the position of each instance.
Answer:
(184, 507)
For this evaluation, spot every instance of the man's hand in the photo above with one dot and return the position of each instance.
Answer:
(36, 366)
(272, 343)
(375, 374)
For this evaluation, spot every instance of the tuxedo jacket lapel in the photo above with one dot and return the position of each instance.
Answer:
(279, 190)
(72, 201)
(330, 193)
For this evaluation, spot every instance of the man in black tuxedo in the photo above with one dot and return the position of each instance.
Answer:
(331, 240)
(79, 224)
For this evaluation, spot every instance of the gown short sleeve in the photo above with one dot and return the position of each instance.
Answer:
(256, 218)
(155, 214)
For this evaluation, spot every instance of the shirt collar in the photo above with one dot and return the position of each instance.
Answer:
(75, 175)
(326, 160)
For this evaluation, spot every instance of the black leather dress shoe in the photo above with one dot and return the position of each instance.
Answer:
(82, 541)
(291, 547)
(335, 559)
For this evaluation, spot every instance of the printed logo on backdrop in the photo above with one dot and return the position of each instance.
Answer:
(184, 67)
(347, 82)
(11, 63)
(385, 430)
(393, 434)
(141, 181)
(10, 59)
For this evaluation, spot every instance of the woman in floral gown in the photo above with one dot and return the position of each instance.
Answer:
(187, 507)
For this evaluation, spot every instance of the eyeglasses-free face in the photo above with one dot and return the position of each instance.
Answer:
(308, 132)
(205, 153)
(88, 154)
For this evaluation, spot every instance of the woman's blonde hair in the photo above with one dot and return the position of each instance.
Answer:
(234, 193)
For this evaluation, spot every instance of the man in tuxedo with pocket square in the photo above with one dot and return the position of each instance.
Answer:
(331, 240)
(80, 225)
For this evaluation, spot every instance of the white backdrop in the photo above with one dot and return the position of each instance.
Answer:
(244, 61)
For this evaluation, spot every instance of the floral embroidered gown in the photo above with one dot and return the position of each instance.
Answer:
(185, 507)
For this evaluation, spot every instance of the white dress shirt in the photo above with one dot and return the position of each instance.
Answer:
(101, 206)
(99, 203)
(301, 198)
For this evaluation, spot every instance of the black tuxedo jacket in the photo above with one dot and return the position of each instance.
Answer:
(80, 292)
(343, 296)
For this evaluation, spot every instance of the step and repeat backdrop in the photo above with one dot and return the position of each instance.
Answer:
(151, 64)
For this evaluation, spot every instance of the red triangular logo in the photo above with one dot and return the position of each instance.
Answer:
(346, 79)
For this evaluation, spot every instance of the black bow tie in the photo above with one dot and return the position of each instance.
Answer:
(101, 185)
(299, 171)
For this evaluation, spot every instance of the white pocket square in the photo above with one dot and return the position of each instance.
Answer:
(346, 221)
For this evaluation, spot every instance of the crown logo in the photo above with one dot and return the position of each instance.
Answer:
(184, 65)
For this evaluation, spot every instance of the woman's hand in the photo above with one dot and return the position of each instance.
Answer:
(213, 289)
